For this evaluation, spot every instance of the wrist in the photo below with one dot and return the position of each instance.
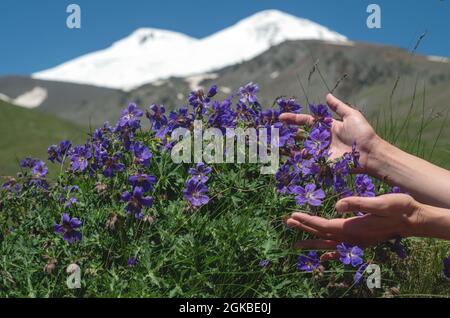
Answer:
(377, 152)
(429, 221)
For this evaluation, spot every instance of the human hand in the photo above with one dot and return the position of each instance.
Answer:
(353, 127)
(388, 216)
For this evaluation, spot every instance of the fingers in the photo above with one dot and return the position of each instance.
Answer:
(317, 244)
(330, 256)
(321, 224)
(326, 236)
(339, 107)
(297, 119)
(377, 205)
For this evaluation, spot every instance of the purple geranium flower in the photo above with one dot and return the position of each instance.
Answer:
(301, 165)
(321, 115)
(136, 201)
(359, 274)
(285, 178)
(447, 267)
(398, 248)
(200, 172)
(245, 114)
(364, 186)
(221, 115)
(144, 181)
(70, 202)
(195, 192)
(68, 228)
(307, 194)
(58, 153)
(182, 118)
(248, 93)
(288, 105)
(264, 263)
(130, 117)
(79, 157)
(132, 261)
(111, 165)
(39, 169)
(142, 154)
(308, 263)
(156, 116)
(317, 141)
(350, 254)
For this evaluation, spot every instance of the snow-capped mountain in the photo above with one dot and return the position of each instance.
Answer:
(151, 54)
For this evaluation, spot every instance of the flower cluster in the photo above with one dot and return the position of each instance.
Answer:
(119, 160)
(196, 190)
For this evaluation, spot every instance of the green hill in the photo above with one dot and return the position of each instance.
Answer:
(26, 132)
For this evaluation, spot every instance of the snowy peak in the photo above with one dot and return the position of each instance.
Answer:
(274, 26)
(150, 54)
(148, 36)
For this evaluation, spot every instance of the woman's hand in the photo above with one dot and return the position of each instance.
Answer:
(353, 128)
(388, 216)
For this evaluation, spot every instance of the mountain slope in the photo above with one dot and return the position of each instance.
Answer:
(28, 133)
(83, 104)
(150, 54)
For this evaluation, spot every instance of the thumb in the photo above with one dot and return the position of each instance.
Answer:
(374, 205)
(338, 106)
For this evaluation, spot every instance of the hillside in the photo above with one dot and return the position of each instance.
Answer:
(29, 132)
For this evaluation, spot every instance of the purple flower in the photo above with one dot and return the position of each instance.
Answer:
(200, 172)
(195, 193)
(447, 267)
(245, 114)
(12, 185)
(132, 261)
(364, 186)
(321, 115)
(317, 141)
(355, 155)
(144, 181)
(286, 135)
(398, 248)
(156, 116)
(141, 154)
(68, 228)
(70, 202)
(182, 118)
(270, 117)
(301, 166)
(248, 93)
(396, 189)
(111, 165)
(27, 162)
(307, 194)
(130, 117)
(285, 178)
(288, 105)
(39, 169)
(100, 136)
(359, 274)
(264, 263)
(136, 201)
(79, 157)
(221, 115)
(308, 263)
(200, 101)
(350, 254)
(340, 171)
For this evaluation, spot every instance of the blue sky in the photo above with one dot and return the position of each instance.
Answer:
(34, 36)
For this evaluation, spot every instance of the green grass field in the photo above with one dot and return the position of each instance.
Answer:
(27, 132)
(213, 251)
